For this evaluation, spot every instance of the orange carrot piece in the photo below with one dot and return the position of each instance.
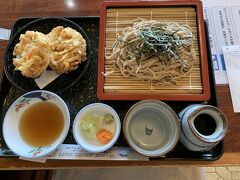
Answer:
(104, 136)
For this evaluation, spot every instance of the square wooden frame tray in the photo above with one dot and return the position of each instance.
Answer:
(164, 95)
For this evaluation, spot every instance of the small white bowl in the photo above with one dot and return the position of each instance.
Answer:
(95, 108)
(11, 132)
(151, 127)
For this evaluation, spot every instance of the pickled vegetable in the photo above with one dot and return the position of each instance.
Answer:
(90, 125)
(108, 118)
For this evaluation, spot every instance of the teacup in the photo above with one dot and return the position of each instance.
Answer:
(202, 127)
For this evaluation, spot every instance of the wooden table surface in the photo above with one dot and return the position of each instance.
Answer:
(11, 10)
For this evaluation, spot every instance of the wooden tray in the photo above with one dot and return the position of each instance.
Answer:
(115, 16)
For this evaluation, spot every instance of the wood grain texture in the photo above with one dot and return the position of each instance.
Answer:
(232, 138)
(12, 10)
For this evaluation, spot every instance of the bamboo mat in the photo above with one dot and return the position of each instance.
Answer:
(119, 18)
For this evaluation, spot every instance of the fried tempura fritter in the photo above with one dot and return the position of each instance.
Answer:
(32, 57)
(63, 49)
(68, 49)
(33, 63)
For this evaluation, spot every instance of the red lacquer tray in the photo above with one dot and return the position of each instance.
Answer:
(117, 15)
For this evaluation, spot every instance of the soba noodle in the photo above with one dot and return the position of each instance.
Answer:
(154, 51)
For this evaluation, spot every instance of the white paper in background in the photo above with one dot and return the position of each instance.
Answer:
(223, 20)
(232, 62)
(46, 78)
(75, 152)
(4, 34)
